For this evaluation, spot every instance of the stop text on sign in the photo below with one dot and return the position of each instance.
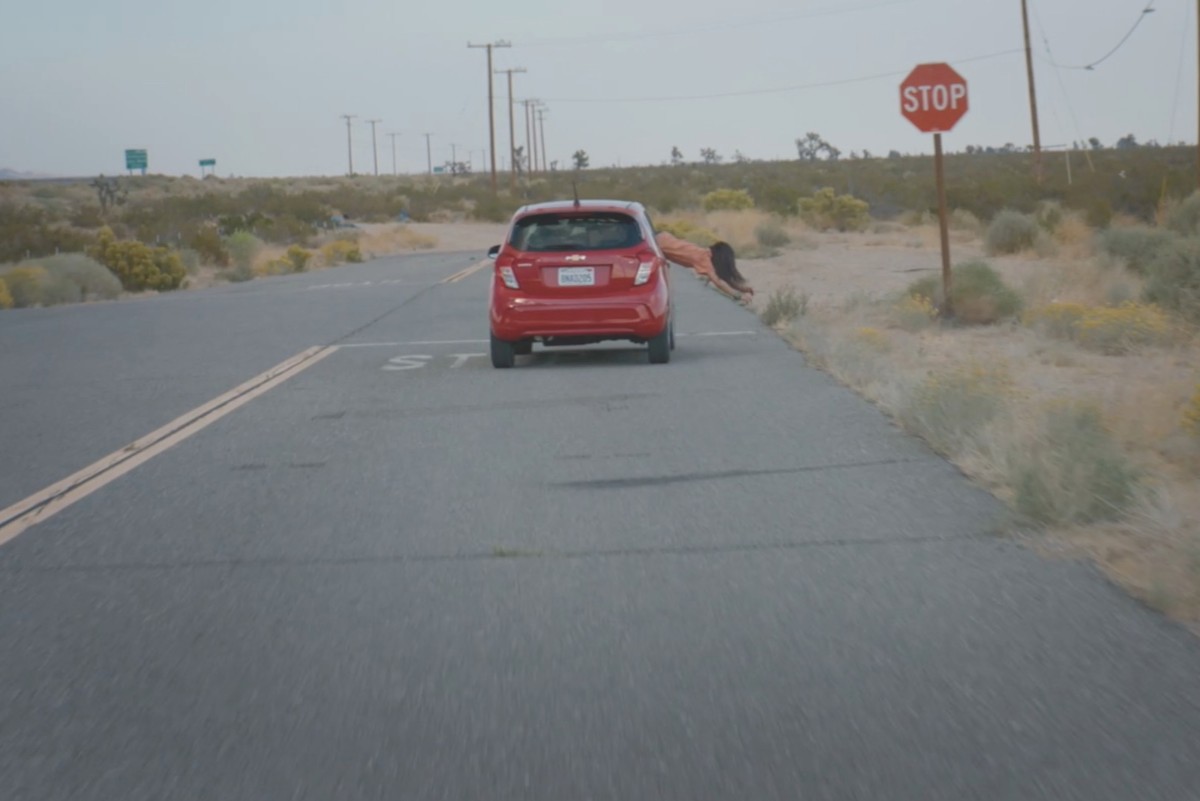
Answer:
(934, 98)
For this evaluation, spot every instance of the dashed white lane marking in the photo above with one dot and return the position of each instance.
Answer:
(53, 499)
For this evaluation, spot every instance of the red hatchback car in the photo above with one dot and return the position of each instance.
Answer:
(578, 272)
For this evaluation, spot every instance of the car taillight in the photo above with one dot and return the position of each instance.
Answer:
(645, 269)
(508, 277)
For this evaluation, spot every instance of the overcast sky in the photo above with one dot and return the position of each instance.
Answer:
(259, 84)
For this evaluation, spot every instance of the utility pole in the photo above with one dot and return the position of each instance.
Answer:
(429, 153)
(349, 144)
(529, 136)
(375, 147)
(1198, 131)
(491, 100)
(537, 159)
(512, 131)
(394, 134)
(453, 159)
(1037, 137)
(541, 112)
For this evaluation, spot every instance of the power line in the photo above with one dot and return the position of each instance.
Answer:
(1063, 88)
(711, 27)
(776, 90)
(1145, 12)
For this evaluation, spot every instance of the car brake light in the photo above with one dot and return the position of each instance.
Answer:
(509, 277)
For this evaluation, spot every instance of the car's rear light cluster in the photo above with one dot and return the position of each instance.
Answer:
(504, 270)
(645, 268)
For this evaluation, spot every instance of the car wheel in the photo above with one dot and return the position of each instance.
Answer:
(660, 346)
(503, 353)
(522, 348)
(672, 328)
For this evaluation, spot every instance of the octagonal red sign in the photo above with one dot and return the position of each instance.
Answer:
(933, 97)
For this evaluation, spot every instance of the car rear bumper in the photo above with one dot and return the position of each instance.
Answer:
(638, 314)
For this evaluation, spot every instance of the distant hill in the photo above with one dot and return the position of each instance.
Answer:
(16, 175)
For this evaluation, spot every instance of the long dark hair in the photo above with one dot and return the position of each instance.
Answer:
(726, 265)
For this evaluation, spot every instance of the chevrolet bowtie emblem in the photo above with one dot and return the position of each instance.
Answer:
(575, 258)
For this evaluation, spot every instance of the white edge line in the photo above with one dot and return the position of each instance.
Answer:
(58, 496)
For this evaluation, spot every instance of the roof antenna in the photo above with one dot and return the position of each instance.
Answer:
(575, 188)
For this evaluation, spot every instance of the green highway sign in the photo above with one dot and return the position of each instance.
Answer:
(208, 162)
(136, 160)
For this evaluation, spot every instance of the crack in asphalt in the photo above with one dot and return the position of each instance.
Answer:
(684, 478)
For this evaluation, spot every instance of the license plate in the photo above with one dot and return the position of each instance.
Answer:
(576, 276)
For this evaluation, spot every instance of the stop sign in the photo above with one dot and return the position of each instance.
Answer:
(933, 97)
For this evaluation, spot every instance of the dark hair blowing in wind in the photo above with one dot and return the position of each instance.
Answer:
(726, 266)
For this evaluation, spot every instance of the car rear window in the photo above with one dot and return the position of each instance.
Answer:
(547, 233)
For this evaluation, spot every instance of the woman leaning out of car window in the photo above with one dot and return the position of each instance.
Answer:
(716, 263)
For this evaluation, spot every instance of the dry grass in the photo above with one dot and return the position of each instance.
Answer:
(380, 240)
(1096, 450)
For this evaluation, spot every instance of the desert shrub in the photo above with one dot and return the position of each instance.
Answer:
(1073, 231)
(979, 295)
(1058, 320)
(963, 220)
(1191, 414)
(1184, 217)
(244, 247)
(1136, 248)
(207, 242)
(783, 306)
(950, 409)
(25, 285)
(771, 235)
(236, 275)
(340, 251)
(1072, 470)
(1107, 329)
(1173, 279)
(272, 267)
(191, 260)
(685, 229)
(1124, 328)
(727, 200)
(78, 277)
(6, 298)
(1010, 232)
(137, 265)
(826, 209)
(1049, 215)
(913, 313)
(913, 218)
(492, 208)
(298, 257)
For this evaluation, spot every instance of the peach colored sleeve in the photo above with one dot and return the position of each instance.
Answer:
(686, 254)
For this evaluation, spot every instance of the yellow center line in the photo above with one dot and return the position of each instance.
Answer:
(461, 274)
(43, 504)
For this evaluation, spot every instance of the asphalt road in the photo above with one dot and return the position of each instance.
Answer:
(401, 574)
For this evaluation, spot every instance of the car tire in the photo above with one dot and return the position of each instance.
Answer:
(660, 346)
(672, 327)
(503, 353)
(522, 348)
